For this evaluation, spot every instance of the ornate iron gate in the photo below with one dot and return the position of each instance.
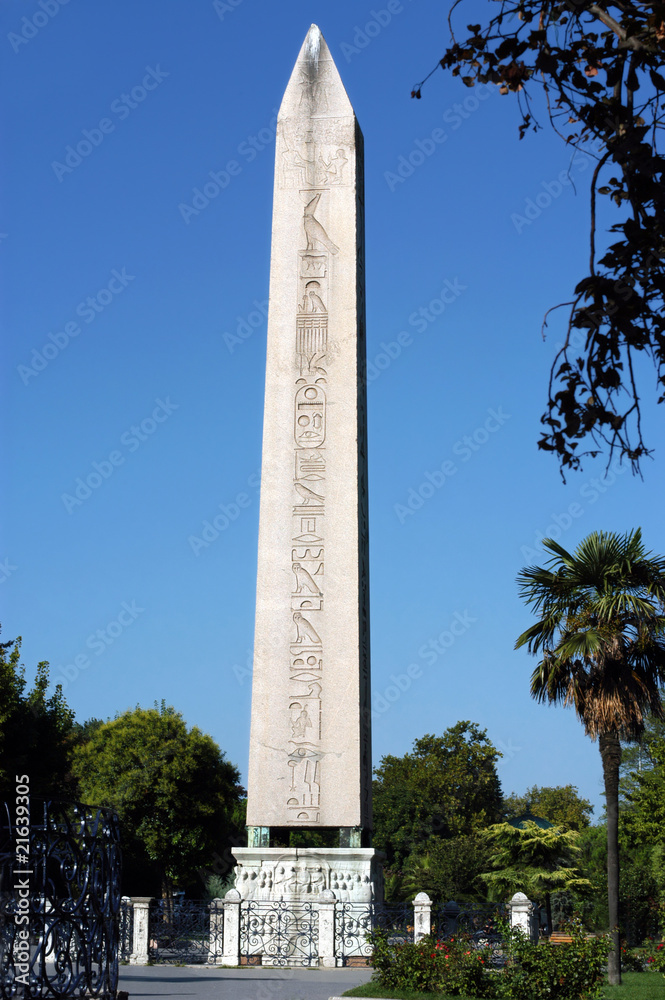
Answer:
(282, 933)
(354, 921)
(180, 933)
(59, 901)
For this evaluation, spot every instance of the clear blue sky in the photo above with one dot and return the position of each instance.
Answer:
(135, 358)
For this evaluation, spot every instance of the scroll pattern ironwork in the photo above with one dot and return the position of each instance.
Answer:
(282, 933)
(126, 934)
(74, 899)
(181, 933)
(354, 921)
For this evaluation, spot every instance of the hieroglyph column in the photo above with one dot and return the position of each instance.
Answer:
(310, 761)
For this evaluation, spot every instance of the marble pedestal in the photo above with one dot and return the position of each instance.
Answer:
(301, 874)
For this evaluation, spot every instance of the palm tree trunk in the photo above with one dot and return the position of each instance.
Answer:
(610, 752)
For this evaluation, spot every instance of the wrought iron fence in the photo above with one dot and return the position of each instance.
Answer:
(283, 933)
(179, 932)
(482, 927)
(354, 921)
(59, 901)
(126, 930)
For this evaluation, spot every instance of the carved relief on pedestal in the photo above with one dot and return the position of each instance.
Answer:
(295, 878)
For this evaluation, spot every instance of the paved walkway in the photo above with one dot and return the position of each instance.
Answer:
(210, 983)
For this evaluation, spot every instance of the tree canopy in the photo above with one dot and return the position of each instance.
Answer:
(449, 870)
(598, 64)
(531, 860)
(560, 805)
(447, 786)
(37, 734)
(171, 786)
(644, 814)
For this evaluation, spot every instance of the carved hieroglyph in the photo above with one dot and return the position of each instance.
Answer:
(310, 741)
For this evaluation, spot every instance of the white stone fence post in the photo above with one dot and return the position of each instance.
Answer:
(215, 941)
(326, 905)
(141, 905)
(523, 914)
(231, 953)
(422, 917)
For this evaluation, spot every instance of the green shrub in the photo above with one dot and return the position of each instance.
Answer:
(632, 959)
(557, 972)
(656, 960)
(455, 967)
(452, 966)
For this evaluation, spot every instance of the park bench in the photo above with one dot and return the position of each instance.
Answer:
(558, 937)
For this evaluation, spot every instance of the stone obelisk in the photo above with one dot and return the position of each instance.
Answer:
(310, 756)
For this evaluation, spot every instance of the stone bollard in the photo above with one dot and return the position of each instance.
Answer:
(422, 917)
(231, 952)
(327, 929)
(139, 955)
(215, 941)
(522, 915)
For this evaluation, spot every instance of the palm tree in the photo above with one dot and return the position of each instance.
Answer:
(601, 635)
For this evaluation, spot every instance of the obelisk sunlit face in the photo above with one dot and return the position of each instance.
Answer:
(309, 746)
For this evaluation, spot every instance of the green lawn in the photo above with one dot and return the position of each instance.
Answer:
(634, 986)
(637, 986)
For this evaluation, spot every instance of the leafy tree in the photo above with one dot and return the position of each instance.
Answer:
(601, 634)
(593, 861)
(598, 65)
(643, 833)
(447, 786)
(560, 805)
(640, 757)
(532, 860)
(171, 786)
(449, 870)
(37, 733)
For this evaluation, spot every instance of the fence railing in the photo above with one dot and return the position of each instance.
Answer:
(59, 900)
(327, 932)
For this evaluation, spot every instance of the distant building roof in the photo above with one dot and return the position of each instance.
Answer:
(526, 817)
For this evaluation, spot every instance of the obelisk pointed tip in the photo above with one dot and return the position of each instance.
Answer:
(315, 86)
